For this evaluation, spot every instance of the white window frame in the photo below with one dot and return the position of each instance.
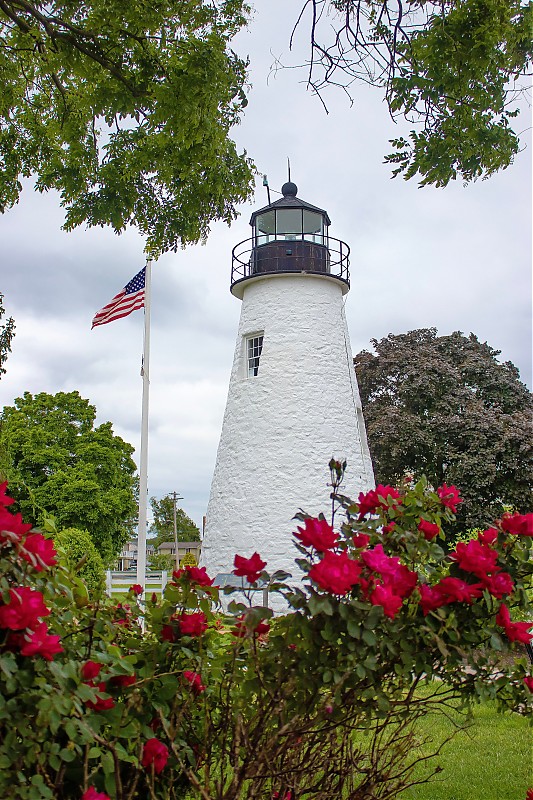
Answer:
(253, 347)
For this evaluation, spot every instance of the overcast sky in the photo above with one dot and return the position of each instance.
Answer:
(456, 259)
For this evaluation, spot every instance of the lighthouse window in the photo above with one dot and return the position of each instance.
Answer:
(313, 227)
(254, 347)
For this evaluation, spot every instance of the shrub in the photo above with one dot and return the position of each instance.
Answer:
(319, 704)
(77, 551)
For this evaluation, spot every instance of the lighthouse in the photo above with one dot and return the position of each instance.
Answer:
(293, 401)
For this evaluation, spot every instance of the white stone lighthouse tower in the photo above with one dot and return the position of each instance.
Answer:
(293, 401)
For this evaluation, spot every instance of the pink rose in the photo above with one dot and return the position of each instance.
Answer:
(515, 631)
(518, 524)
(475, 557)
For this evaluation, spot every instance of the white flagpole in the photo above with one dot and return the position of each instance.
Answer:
(143, 468)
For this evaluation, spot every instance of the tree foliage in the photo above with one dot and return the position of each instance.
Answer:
(452, 68)
(59, 463)
(444, 407)
(7, 331)
(125, 109)
(162, 527)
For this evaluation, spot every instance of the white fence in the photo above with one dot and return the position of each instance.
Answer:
(119, 582)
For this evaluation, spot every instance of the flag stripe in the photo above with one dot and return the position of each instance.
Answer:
(129, 299)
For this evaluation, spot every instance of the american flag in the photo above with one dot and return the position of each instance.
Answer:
(129, 299)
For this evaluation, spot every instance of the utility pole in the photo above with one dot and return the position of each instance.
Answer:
(175, 497)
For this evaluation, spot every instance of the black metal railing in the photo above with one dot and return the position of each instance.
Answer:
(290, 255)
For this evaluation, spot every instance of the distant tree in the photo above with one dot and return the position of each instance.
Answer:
(188, 560)
(443, 406)
(7, 331)
(57, 462)
(162, 561)
(162, 528)
(78, 552)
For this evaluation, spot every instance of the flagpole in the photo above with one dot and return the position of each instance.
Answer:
(143, 467)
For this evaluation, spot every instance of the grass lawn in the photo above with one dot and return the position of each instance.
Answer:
(492, 760)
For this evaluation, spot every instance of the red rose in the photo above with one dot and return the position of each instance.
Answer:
(449, 497)
(154, 753)
(489, 536)
(249, 568)
(429, 529)
(528, 680)
(475, 557)
(4, 499)
(12, 523)
(40, 643)
(385, 597)
(318, 534)
(101, 703)
(195, 681)
(336, 572)
(92, 794)
(518, 524)
(499, 584)
(38, 551)
(123, 681)
(377, 498)
(167, 633)
(430, 598)
(529, 795)
(193, 624)
(388, 528)
(515, 631)
(136, 589)
(90, 670)
(196, 575)
(241, 628)
(25, 607)
(360, 540)
(454, 590)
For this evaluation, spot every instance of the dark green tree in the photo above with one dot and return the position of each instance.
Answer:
(57, 462)
(445, 407)
(125, 109)
(7, 331)
(78, 553)
(453, 69)
(162, 528)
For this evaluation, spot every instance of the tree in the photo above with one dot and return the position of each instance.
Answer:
(125, 110)
(444, 407)
(450, 67)
(7, 331)
(163, 525)
(162, 561)
(57, 462)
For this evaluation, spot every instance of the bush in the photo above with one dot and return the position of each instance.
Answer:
(319, 704)
(77, 552)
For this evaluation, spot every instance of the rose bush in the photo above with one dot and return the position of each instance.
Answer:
(167, 697)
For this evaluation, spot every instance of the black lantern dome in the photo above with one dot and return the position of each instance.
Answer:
(290, 235)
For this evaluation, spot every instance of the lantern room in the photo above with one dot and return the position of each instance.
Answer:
(289, 236)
